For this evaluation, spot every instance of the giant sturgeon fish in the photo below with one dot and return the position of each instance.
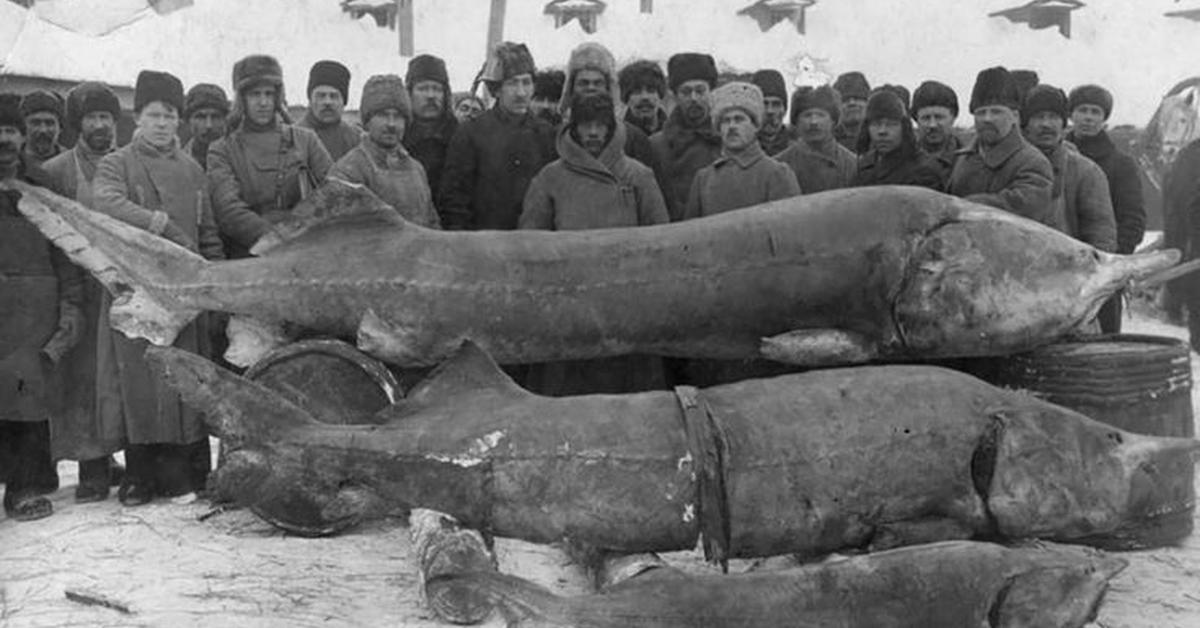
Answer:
(840, 277)
(861, 457)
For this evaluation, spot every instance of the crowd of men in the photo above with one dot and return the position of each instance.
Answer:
(591, 147)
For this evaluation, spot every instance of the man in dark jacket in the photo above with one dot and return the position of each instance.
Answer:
(547, 93)
(643, 87)
(889, 147)
(774, 136)
(592, 70)
(1090, 106)
(427, 136)
(1000, 168)
(817, 159)
(688, 141)
(328, 91)
(934, 109)
(43, 115)
(492, 159)
(205, 109)
(854, 91)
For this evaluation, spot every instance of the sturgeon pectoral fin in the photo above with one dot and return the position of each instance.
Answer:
(250, 339)
(818, 347)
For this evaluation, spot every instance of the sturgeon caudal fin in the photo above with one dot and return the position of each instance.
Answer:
(237, 409)
(517, 600)
(470, 369)
(134, 264)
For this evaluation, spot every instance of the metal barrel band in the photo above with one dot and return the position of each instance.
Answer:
(706, 443)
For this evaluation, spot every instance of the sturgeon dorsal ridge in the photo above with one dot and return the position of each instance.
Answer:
(336, 207)
(469, 369)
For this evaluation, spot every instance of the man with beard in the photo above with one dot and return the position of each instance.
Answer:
(428, 131)
(889, 147)
(854, 91)
(1081, 206)
(328, 91)
(40, 297)
(773, 136)
(643, 87)
(380, 161)
(688, 141)
(999, 168)
(547, 90)
(591, 70)
(1090, 106)
(263, 167)
(92, 113)
(205, 110)
(154, 185)
(594, 185)
(934, 108)
(43, 113)
(817, 159)
(493, 158)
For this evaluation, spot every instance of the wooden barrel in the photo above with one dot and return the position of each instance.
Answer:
(331, 379)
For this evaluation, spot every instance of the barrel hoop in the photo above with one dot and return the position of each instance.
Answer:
(708, 446)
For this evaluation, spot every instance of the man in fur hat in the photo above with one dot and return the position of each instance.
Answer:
(492, 159)
(205, 109)
(428, 132)
(999, 168)
(43, 114)
(591, 70)
(1089, 107)
(888, 147)
(547, 91)
(1081, 205)
(263, 166)
(934, 108)
(816, 158)
(774, 136)
(688, 141)
(854, 90)
(643, 87)
(328, 91)
(43, 321)
(92, 114)
(380, 161)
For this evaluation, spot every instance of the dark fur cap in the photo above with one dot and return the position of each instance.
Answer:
(157, 86)
(85, 98)
(1091, 95)
(995, 86)
(691, 66)
(641, 74)
(934, 94)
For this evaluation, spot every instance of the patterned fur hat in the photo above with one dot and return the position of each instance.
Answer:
(738, 95)
(384, 91)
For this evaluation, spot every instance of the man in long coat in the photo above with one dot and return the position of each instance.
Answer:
(816, 158)
(428, 132)
(688, 141)
(592, 70)
(774, 136)
(934, 109)
(888, 147)
(643, 87)
(154, 185)
(328, 91)
(205, 109)
(92, 113)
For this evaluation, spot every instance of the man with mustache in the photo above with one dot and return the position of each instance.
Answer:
(43, 113)
(854, 90)
(380, 161)
(643, 87)
(428, 131)
(205, 110)
(547, 91)
(889, 147)
(492, 159)
(263, 166)
(40, 297)
(999, 168)
(934, 109)
(328, 91)
(1080, 203)
(817, 159)
(774, 136)
(592, 70)
(688, 141)
(92, 114)
(1089, 107)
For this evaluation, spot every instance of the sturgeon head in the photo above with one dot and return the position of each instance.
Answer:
(1048, 472)
(992, 283)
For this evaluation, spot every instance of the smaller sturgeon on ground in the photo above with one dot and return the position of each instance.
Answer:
(808, 464)
(959, 584)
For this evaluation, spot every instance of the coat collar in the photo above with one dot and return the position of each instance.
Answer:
(994, 156)
(1099, 146)
(578, 159)
(381, 155)
(745, 159)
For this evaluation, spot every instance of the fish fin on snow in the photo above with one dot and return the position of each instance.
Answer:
(470, 369)
(517, 599)
(818, 347)
(132, 263)
(337, 206)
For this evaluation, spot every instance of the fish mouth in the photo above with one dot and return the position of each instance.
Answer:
(1167, 525)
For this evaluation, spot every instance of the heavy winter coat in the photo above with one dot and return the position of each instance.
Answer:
(903, 166)
(737, 181)
(394, 176)
(1012, 175)
(338, 139)
(680, 151)
(944, 157)
(1124, 187)
(428, 141)
(489, 166)
(772, 145)
(259, 176)
(1081, 205)
(831, 167)
(137, 184)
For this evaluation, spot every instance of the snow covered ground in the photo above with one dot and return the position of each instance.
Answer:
(167, 568)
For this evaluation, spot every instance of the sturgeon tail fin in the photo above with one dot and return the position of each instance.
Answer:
(518, 600)
(135, 265)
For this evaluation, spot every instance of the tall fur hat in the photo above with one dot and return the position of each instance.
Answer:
(590, 56)
(1025, 80)
(257, 69)
(852, 85)
(42, 100)
(205, 96)
(1091, 95)
(738, 95)
(332, 74)
(384, 91)
(10, 112)
(934, 94)
(824, 97)
(1044, 98)
(691, 66)
(995, 86)
(771, 83)
(641, 74)
(85, 98)
(157, 87)
(505, 61)
(427, 68)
